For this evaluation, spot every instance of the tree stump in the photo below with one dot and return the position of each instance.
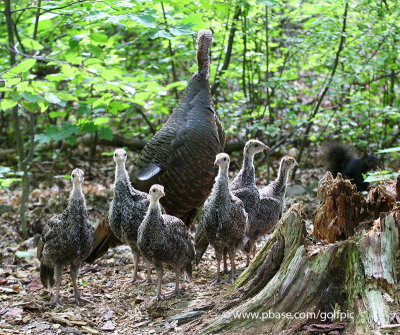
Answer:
(354, 277)
(340, 211)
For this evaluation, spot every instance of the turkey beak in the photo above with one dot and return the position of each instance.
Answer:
(266, 147)
(296, 164)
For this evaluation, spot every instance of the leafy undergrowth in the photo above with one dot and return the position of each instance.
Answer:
(117, 307)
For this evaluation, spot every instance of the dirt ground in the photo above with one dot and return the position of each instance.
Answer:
(117, 307)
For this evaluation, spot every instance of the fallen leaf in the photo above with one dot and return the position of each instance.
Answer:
(108, 326)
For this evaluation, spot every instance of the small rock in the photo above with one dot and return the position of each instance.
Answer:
(183, 318)
(295, 190)
(108, 326)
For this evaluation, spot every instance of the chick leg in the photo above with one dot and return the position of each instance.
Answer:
(74, 270)
(217, 278)
(148, 279)
(177, 291)
(160, 273)
(233, 267)
(58, 276)
(225, 262)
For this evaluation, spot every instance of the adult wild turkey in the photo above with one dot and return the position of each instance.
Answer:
(181, 154)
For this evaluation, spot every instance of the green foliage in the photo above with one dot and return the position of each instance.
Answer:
(7, 177)
(96, 67)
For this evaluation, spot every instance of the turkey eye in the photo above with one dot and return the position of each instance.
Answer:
(256, 145)
(224, 159)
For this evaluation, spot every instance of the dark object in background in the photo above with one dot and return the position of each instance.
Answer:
(339, 158)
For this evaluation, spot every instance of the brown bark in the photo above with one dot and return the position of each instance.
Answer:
(340, 211)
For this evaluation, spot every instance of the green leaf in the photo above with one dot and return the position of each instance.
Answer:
(384, 151)
(47, 16)
(7, 104)
(162, 33)
(75, 40)
(32, 44)
(99, 37)
(29, 96)
(101, 120)
(24, 66)
(145, 19)
(23, 254)
(106, 133)
(54, 99)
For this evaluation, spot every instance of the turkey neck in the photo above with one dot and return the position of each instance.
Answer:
(248, 177)
(76, 203)
(120, 173)
(221, 188)
(76, 193)
(203, 59)
(281, 180)
(153, 216)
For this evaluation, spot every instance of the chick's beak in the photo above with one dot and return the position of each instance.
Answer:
(266, 147)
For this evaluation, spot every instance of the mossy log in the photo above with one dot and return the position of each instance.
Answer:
(292, 275)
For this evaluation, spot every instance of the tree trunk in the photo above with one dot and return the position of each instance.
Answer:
(347, 284)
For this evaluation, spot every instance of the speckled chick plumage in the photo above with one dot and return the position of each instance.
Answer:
(224, 218)
(128, 207)
(244, 187)
(66, 239)
(272, 204)
(164, 239)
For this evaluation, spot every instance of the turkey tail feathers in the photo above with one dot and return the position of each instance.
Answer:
(204, 40)
(148, 172)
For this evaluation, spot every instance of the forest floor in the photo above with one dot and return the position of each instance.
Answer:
(116, 308)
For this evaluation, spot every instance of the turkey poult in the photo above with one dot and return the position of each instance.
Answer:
(181, 154)
(66, 240)
(164, 240)
(244, 187)
(127, 210)
(272, 205)
(224, 218)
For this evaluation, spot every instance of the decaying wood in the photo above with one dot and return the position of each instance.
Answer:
(324, 328)
(340, 211)
(379, 201)
(352, 276)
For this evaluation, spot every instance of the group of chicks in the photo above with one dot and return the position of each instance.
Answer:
(234, 217)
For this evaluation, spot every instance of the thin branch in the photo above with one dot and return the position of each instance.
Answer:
(36, 20)
(61, 7)
(171, 53)
(228, 52)
(326, 88)
(151, 126)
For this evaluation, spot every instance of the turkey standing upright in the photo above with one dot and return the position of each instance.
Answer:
(224, 218)
(164, 240)
(272, 205)
(181, 154)
(127, 210)
(66, 240)
(244, 187)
